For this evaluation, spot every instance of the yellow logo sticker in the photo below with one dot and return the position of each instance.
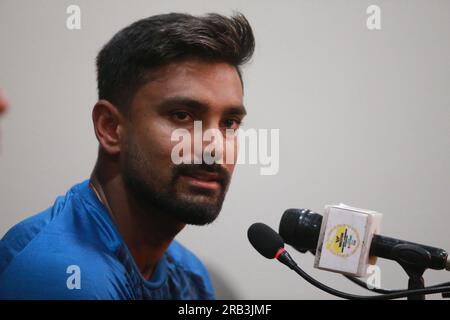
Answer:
(342, 240)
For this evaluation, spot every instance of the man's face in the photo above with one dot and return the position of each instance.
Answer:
(181, 93)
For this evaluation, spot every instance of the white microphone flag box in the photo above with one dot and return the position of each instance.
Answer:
(345, 237)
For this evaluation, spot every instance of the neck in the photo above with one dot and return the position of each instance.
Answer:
(147, 232)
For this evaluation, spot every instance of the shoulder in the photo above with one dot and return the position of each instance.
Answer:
(52, 255)
(24, 233)
(34, 229)
(63, 269)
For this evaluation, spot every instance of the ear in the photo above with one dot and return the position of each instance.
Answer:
(108, 126)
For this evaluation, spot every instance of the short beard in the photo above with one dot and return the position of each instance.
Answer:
(141, 181)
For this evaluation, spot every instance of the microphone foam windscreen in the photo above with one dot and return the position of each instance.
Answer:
(265, 240)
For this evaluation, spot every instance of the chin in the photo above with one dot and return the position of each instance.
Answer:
(199, 200)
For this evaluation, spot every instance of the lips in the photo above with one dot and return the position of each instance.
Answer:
(205, 176)
(203, 179)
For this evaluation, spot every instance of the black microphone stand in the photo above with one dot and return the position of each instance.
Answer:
(414, 260)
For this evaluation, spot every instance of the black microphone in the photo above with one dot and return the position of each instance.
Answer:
(300, 228)
(269, 244)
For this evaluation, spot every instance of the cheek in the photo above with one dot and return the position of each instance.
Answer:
(230, 154)
(230, 168)
(155, 146)
(231, 149)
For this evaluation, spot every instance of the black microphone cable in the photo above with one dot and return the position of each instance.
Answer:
(363, 285)
(385, 296)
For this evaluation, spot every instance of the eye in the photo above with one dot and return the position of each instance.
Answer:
(181, 116)
(232, 123)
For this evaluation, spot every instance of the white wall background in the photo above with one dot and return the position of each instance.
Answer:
(363, 116)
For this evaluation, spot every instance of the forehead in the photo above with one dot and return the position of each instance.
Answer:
(213, 83)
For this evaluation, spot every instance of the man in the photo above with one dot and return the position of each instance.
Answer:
(112, 236)
(3, 106)
(3, 102)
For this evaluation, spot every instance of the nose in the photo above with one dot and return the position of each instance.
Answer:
(215, 146)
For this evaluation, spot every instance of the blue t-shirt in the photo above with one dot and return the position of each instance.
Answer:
(73, 251)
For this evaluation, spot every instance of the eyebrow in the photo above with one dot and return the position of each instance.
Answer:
(201, 106)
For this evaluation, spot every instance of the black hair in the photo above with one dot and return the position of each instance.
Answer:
(124, 63)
